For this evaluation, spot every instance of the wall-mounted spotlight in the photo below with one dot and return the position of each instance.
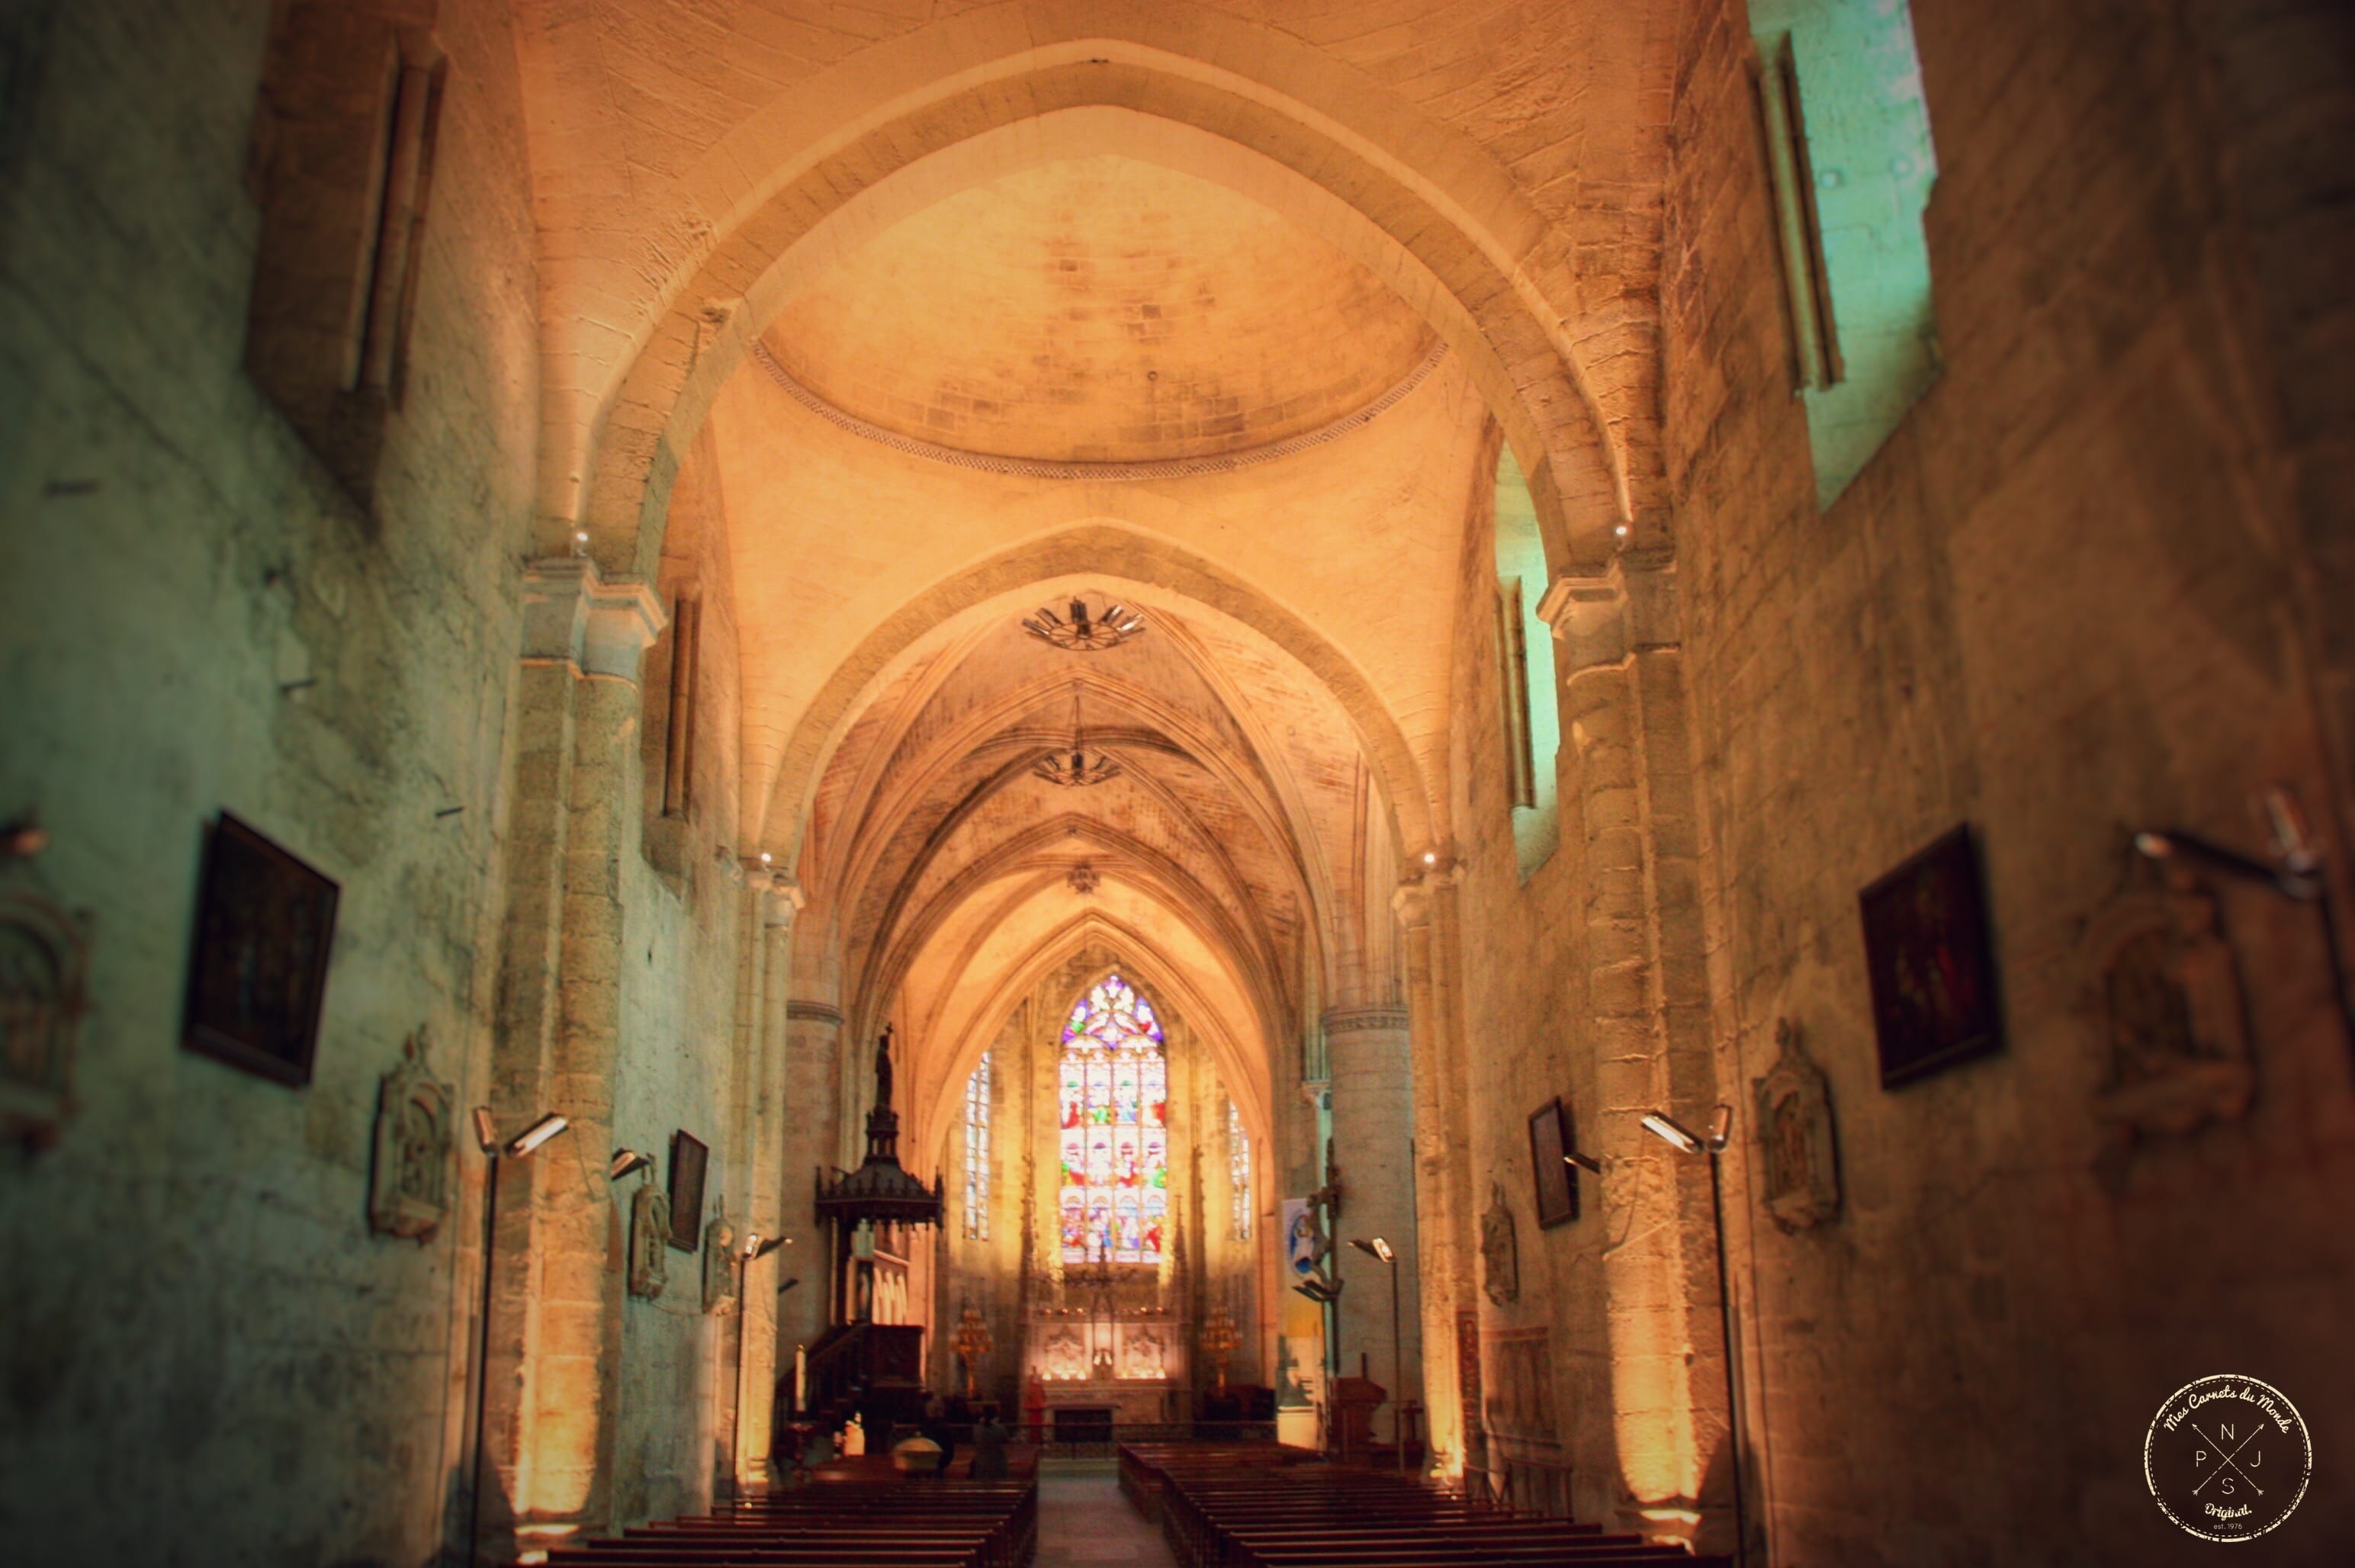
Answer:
(756, 1249)
(538, 1132)
(1666, 1128)
(626, 1160)
(789, 1284)
(1585, 1162)
(486, 1132)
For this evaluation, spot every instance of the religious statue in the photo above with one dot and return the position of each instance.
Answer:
(883, 1069)
(649, 1241)
(408, 1187)
(1794, 1123)
(1500, 1258)
(2165, 988)
(718, 1260)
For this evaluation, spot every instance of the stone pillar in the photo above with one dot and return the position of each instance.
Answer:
(1629, 776)
(1373, 1139)
(555, 1316)
(813, 1136)
(768, 970)
(1426, 906)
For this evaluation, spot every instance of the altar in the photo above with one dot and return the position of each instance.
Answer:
(1112, 1338)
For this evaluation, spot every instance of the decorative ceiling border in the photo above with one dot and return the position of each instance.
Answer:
(1116, 472)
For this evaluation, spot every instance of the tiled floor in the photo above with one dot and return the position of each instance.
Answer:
(1082, 1518)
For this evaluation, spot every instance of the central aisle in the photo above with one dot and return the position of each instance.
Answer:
(1083, 1518)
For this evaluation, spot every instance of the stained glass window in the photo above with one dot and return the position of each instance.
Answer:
(977, 1152)
(1115, 1131)
(1239, 1170)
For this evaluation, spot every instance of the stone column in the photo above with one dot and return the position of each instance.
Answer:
(811, 1100)
(1426, 907)
(1629, 776)
(1373, 1137)
(556, 1321)
(768, 970)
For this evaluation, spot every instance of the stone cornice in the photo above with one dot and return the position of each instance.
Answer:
(813, 1013)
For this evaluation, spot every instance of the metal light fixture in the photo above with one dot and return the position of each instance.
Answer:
(1084, 633)
(1080, 768)
(1711, 1144)
(521, 1146)
(1320, 1290)
(626, 1160)
(538, 1132)
(756, 1249)
(1379, 1247)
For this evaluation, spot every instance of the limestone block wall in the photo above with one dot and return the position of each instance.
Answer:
(196, 619)
(2058, 603)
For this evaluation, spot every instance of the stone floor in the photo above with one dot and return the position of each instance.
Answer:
(1082, 1518)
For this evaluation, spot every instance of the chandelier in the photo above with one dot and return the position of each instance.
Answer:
(1081, 766)
(1083, 633)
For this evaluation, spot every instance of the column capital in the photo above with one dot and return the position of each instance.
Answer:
(1628, 607)
(1410, 900)
(780, 897)
(801, 1012)
(571, 614)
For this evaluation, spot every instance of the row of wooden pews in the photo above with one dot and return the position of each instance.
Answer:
(1247, 1508)
(874, 1521)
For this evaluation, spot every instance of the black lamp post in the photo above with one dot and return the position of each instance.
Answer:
(1380, 1248)
(521, 1146)
(1684, 1140)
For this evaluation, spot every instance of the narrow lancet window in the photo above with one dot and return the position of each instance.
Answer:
(977, 1152)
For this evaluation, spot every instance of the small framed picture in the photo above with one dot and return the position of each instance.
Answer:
(258, 967)
(1557, 1182)
(1932, 963)
(689, 1158)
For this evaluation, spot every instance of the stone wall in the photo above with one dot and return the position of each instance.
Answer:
(202, 618)
(197, 1313)
(2056, 605)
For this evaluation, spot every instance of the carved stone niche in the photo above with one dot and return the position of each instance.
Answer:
(718, 1260)
(409, 1191)
(1800, 1159)
(1500, 1253)
(2164, 986)
(649, 1241)
(44, 961)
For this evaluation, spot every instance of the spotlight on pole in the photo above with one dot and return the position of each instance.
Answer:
(538, 1132)
(486, 1132)
(755, 1248)
(1377, 1248)
(626, 1160)
(1585, 1162)
(1662, 1126)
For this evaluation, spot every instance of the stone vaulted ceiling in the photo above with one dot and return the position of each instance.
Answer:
(1103, 377)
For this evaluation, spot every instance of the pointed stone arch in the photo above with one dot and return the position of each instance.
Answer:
(947, 106)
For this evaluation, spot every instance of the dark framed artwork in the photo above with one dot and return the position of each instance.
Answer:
(258, 973)
(1557, 1182)
(1932, 963)
(689, 1158)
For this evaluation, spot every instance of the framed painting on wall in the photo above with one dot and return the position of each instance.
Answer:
(689, 1158)
(258, 968)
(1557, 1182)
(1931, 962)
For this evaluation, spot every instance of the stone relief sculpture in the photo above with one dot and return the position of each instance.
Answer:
(718, 1260)
(1066, 1354)
(1500, 1258)
(409, 1189)
(44, 957)
(1800, 1160)
(2165, 987)
(1147, 1356)
(649, 1241)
